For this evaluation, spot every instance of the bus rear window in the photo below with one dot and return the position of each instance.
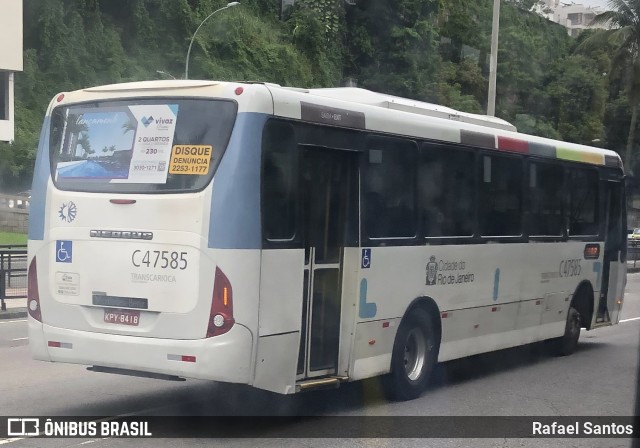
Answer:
(139, 145)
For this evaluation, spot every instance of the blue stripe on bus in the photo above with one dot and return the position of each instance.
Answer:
(41, 175)
(235, 203)
(366, 310)
(597, 268)
(496, 284)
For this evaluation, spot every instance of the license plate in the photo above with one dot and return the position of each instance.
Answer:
(122, 317)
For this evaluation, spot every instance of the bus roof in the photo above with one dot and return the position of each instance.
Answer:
(363, 96)
(408, 118)
(376, 112)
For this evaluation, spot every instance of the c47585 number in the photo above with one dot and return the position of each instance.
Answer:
(162, 259)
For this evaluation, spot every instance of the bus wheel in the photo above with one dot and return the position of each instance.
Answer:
(413, 358)
(567, 344)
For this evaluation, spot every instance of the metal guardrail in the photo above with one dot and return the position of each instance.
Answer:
(13, 273)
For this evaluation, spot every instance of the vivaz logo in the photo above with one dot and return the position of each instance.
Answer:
(146, 121)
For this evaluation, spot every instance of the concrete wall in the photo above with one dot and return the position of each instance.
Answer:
(11, 36)
(14, 213)
(10, 62)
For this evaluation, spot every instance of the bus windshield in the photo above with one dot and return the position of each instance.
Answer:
(139, 145)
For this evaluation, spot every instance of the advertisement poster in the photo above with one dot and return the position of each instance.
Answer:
(119, 145)
(152, 143)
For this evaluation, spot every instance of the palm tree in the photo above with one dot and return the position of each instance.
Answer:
(128, 126)
(85, 143)
(623, 18)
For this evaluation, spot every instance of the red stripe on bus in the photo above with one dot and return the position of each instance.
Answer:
(511, 144)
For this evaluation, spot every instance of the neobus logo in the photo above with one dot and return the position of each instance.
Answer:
(122, 235)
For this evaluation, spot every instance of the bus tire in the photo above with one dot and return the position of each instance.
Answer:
(413, 357)
(568, 343)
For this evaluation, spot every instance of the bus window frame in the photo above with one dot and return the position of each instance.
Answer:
(563, 200)
(414, 240)
(302, 131)
(567, 200)
(52, 167)
(425, 146)
(522, 237)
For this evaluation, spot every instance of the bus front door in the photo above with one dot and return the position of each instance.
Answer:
(328, 206)
(614, 259)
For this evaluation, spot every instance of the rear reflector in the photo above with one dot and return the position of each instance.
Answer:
(184, 358)
(221, 317)
(33, 296)
(57, 344)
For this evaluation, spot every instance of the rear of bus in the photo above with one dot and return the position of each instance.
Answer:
(126, 268)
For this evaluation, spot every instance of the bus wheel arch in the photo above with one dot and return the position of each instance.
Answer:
(579, 314)
(415, 351)
(429, 305)
(583, 300)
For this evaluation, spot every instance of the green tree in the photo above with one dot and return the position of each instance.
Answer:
(624, 18)
(577, 91)
(85, 143)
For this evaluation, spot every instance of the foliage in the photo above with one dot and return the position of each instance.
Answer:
(392, 46)
(624, 38)
(549, 84)
(9, 238)
(578, 95)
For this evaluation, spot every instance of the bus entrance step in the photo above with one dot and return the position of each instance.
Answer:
(330, 382)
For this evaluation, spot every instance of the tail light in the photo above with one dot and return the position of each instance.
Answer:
(33, 297)
(221, 317)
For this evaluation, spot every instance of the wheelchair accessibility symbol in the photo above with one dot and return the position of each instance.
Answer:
(366, 259)
(64, 251)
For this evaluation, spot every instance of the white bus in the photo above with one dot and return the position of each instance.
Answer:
(290, 239)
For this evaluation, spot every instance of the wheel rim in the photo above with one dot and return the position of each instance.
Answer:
(415, 352)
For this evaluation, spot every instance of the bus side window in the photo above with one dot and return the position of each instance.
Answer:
(446, 191)
(389, 191)
(583, 202)
(545, 201)
(279, 182)
(501, 196)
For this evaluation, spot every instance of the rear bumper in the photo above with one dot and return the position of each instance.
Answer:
(225, 358)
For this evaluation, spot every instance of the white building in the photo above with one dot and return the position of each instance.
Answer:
(574, 17)
(10, 62)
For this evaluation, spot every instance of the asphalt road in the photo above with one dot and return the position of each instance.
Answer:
(599, 379)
